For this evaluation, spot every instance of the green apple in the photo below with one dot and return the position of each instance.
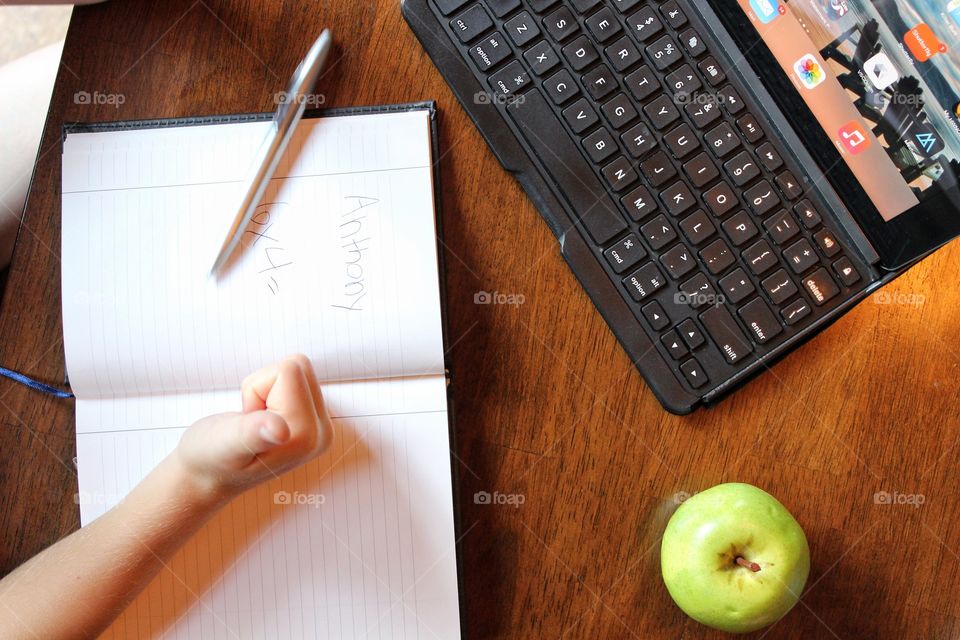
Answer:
(734, 558)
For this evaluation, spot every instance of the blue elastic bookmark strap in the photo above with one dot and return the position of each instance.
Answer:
(34, 384)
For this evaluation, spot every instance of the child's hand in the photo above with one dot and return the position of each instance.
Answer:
(284, 424)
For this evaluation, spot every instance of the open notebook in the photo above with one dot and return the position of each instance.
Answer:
(340, 263)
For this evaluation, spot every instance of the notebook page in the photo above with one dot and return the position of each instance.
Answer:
(357, 544)
(339, 261)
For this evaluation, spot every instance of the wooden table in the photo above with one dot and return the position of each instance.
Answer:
(548, 405)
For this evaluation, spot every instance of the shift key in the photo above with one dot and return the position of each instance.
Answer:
(725, 332)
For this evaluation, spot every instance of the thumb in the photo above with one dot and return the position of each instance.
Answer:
(230, 441)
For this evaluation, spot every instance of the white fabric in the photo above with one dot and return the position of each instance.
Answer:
(28, 81)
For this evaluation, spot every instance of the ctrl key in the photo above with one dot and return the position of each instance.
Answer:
(694, 374)
(643, 282)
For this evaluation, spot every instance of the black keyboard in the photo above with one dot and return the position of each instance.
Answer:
(693, 209)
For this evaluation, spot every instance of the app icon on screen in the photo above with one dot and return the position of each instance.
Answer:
(923, 43)
(854, 138)
(881, 72)
(766, 10)
(809, 71)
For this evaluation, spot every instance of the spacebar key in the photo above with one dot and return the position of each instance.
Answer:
(571, 173)
(726, 334)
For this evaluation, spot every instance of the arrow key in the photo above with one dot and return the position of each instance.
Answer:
(674, 345)
(691, 334)
(694, 374)
(656, 316)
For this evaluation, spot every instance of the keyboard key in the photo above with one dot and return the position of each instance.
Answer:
(846, 271)
(712, 71)
(639, 141)
(603, 25)
(762, 325)
(644, 282)
(623, 54)
(541, 57)
(703, 110)
(795, 312)
(619, 174)
(740, 228)
(470, 24)
(561, 87)
(600, 145)
(583, 190)
(698, 227)
(449, 6)
(541, 5)
(580, 53)
(827, 243)
(658, 169)
(789, 186)
(639, 203)
(656, 316)
(737, 286)
(800, 256)
(583, 6)
(694, 373)
(625, 5)
(762, 198)
(742, 168)
(619, 111)
(697, 292)
(644, 24)
(642, 83)
(580, 116)
(769, 157)
(522, 29)
(625, 253)
(750, 128)
(690, 333)
(730, 100)
(722, 327)
(677, 198)
(820, 286)
(490, 52)
(723, 140)
(681, 141)
(600, 82)
(509, 80)
(664, 53)
(674, 345)
(760, 258)
(721, 199)
(675, 17)
(662, 112)
(779, 287)
(693, 43)
(782, 227)
(501, 8)
(678, 262)
(683, 81)
(807, 214)
(717, 256)
(701, 170)
(658, 232)
(561, 24)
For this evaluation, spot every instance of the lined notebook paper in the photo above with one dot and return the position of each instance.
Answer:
(339, 263)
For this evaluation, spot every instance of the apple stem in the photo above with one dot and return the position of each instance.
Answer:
(753, 566)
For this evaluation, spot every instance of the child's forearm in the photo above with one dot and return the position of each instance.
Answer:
(77, 587)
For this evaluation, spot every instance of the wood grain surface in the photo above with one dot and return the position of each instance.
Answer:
(547, 404)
